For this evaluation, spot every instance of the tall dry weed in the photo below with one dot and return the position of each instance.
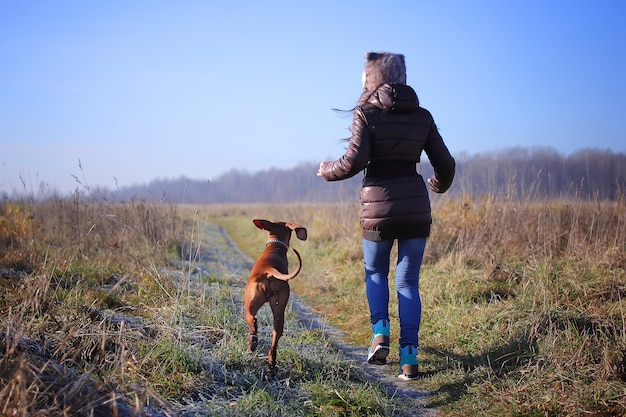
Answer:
(488, 230)
(65, 266)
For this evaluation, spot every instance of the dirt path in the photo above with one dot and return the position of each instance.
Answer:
(219, 254)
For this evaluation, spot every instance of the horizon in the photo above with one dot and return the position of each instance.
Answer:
(42, 190)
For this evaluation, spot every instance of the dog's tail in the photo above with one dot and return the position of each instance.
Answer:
(273, 272)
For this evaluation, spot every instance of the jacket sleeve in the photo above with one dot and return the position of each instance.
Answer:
(357, 154)
(443, 163)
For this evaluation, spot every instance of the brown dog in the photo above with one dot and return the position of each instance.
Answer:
(268, 281)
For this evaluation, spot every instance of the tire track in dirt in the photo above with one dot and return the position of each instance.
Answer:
(218, 252)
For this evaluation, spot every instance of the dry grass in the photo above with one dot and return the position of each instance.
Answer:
(64, 265)
(523, 307)
(524, 310)
(136, 309)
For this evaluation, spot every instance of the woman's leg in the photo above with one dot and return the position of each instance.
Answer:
(410, 256)
(376, 257)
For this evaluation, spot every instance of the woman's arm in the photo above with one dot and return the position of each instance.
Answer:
(357, 155)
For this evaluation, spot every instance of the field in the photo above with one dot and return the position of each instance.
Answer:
(523, 311)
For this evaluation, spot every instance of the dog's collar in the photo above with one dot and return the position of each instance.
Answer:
(274, 240)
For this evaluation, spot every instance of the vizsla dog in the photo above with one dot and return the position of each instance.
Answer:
(268, 281)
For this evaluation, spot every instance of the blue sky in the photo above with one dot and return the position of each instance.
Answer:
(117, 93)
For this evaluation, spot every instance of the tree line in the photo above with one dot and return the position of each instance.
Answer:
(518, 173)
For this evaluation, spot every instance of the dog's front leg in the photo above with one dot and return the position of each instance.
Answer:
(252, 304)
(253, 338)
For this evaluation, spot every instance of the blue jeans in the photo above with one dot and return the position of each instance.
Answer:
(377, 257)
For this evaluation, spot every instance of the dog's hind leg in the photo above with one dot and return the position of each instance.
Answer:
(278, 304)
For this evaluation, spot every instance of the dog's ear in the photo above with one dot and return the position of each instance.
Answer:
(300, 232)
(263, 224)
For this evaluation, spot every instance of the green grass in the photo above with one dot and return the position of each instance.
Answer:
(523, 302)
(88, 332)
(138, 306)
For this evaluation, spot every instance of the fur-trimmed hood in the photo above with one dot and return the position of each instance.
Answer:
(381, 68)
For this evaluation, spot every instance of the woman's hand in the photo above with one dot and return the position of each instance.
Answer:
(319, 170)
(434, 185)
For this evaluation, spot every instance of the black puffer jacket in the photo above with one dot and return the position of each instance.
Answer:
(389, 132)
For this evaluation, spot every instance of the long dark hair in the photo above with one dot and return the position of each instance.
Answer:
(365, 95)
